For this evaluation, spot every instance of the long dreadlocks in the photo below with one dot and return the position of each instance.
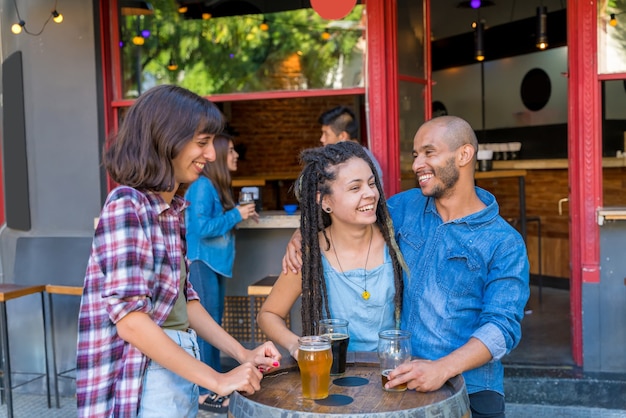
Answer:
(313, 183)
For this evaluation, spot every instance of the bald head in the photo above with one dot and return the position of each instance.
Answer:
(455, 133)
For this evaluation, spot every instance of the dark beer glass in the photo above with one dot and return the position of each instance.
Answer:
(337, 331)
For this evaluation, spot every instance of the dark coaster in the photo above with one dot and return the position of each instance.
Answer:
(335, 400)
(351, 381)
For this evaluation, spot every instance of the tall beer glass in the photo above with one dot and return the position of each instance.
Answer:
(314, 361)
(337, 331)
(394, 348)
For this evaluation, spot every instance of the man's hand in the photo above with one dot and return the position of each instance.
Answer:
(421, 375)
(293, 255)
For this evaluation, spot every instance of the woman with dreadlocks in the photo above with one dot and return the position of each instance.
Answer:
(351, 263)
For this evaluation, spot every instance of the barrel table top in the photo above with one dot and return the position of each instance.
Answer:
(357, 393)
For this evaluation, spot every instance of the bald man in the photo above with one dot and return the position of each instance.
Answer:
(468, 278)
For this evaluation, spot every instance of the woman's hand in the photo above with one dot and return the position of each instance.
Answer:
(265, 357)
(245, 378)
(248, 211)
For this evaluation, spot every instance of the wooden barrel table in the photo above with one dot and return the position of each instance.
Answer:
(357, 393)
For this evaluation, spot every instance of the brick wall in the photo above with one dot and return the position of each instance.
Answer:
(274, 132)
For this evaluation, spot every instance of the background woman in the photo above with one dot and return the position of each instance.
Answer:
(211, 218)
(351, 264)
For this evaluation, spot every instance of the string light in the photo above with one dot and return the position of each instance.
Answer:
(17, 27)
(325, 35)
(264, 26)
(172, 66)
(20, 26)
(57, 17)
(139, 40)
(206, 16)
(613, 20)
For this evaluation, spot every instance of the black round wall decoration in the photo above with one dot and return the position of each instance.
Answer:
(536, 89)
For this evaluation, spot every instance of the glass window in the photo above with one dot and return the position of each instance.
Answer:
(613, 118)
(411, 117)
(285, 50)
(611, 36)
(411, 39)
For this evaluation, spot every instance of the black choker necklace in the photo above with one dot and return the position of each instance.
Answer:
(365, 295)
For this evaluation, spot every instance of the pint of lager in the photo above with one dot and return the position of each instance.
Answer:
(314, 361)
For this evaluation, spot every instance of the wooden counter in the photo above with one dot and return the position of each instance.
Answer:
(272, 219)
(551, 164)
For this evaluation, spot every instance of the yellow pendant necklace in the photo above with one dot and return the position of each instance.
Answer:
(365, 294)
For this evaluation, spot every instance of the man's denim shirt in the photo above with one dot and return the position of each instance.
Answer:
(210, 236)
(467, 278)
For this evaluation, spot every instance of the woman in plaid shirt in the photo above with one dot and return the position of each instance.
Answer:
(137, 350)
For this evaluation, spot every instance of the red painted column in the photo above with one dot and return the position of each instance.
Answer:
(382, 90)
(585, 157)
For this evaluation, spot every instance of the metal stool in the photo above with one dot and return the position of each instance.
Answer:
(514, 221)
(53, 289)
(538, 220)
(10, 292)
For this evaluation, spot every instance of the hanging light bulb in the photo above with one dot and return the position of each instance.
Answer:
(172, 66)
(264, 26)
(542, 27)
(17, 27)
(139, 40)
(57, 17)
(613, 20)
(325, 35)
(206, 16)
(183, 9)
(479, 46)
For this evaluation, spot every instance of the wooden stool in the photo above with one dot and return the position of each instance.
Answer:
(259, 289)
(53, 289)
(9, 292)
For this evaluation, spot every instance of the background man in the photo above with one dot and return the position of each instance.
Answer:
(339, 124)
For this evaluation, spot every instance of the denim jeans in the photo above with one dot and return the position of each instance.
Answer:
(211, 288)
(166, 394)
(487, 404)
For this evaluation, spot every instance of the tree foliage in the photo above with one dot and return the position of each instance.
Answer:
(233, 54)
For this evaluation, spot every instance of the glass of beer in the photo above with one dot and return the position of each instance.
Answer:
(337, 331)
(394, 349)
(246, 198)
(314, 361)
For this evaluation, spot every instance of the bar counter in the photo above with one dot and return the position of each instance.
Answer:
(551, 163)
(272, 219)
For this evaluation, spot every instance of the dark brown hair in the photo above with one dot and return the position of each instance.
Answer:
(316, 177)
(154, 131)
(217, 171)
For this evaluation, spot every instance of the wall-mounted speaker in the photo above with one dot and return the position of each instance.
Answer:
(16, 198)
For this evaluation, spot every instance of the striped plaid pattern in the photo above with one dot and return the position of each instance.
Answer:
(134, 266)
